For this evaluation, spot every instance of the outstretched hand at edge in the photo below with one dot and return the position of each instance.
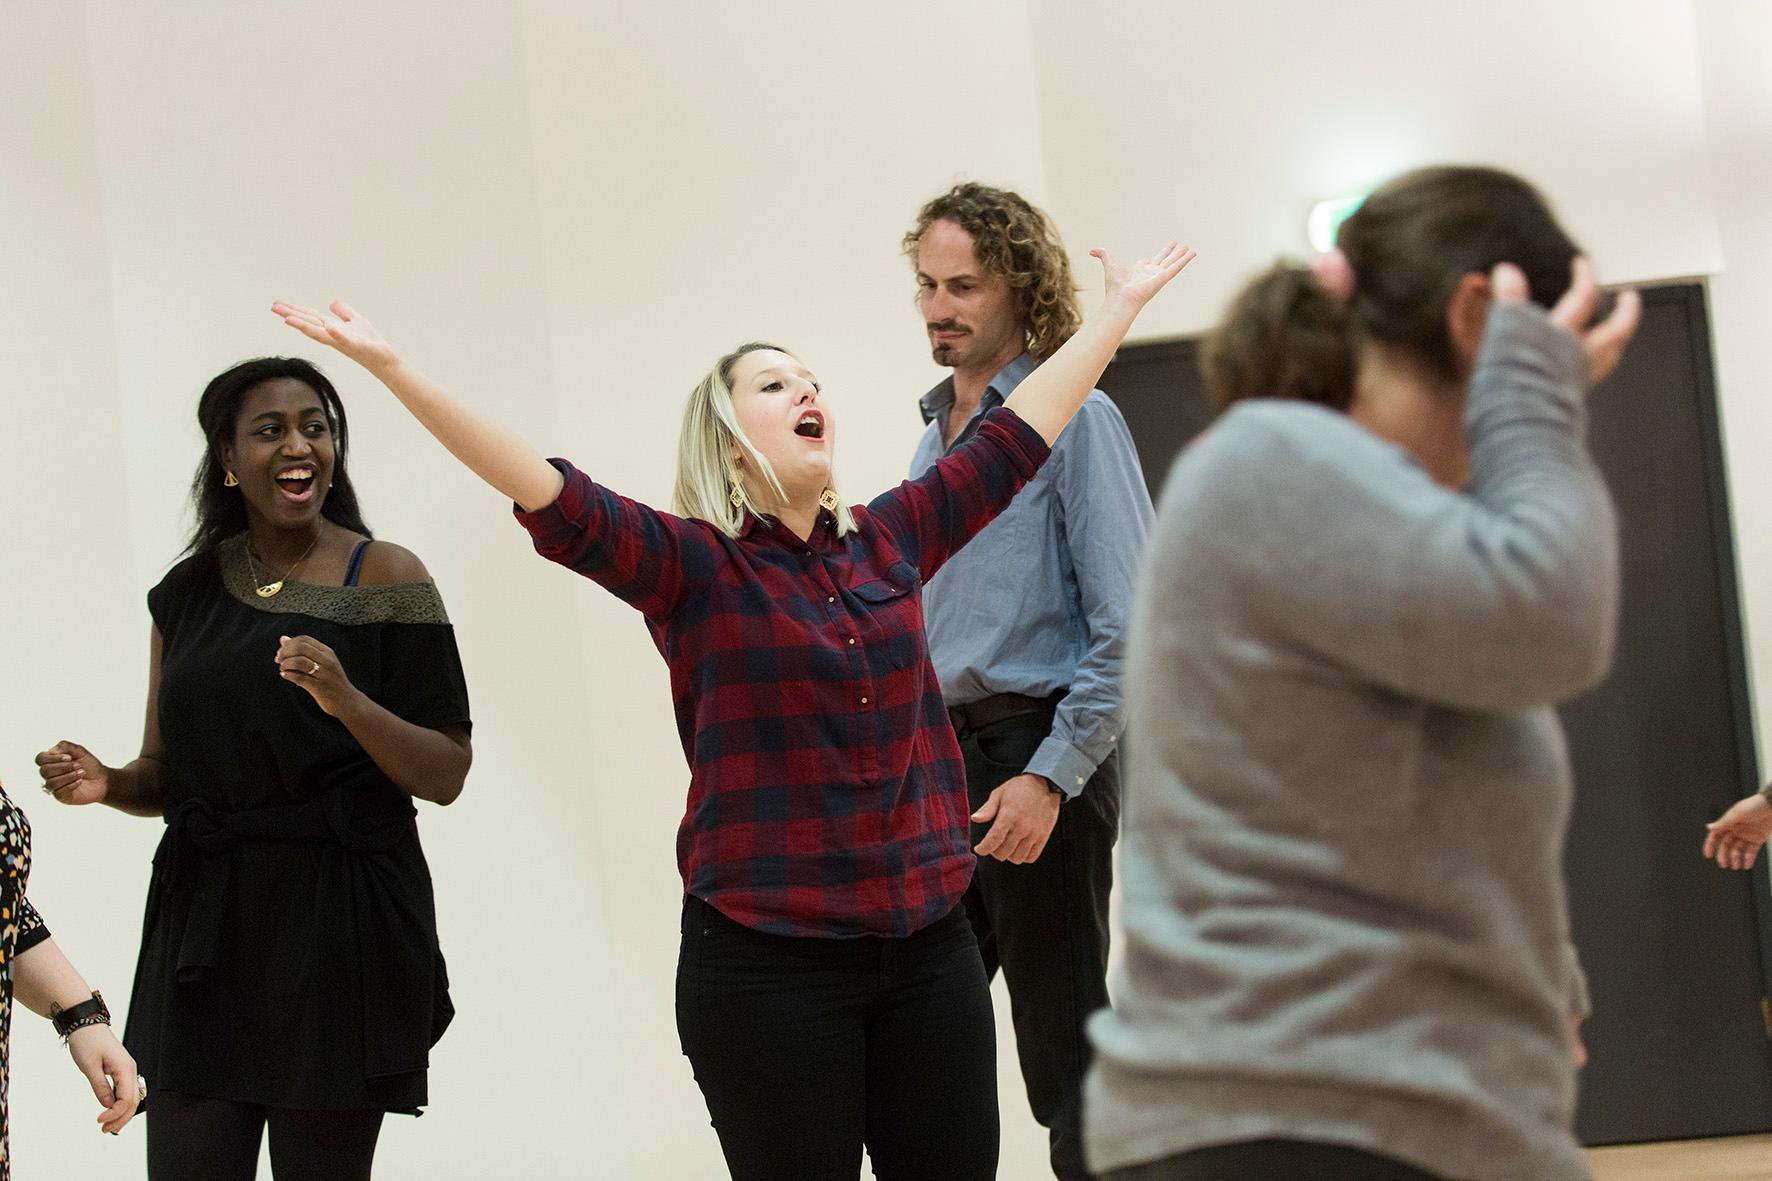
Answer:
(1733, 840)
(344, 330)
(1137, 282)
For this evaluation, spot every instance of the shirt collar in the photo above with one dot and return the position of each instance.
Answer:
(938, 400)
(766, 525)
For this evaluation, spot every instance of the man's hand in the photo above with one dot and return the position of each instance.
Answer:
(1021, 814)
(1733, 839)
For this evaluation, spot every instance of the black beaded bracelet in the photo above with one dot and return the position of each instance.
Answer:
(87, 1012)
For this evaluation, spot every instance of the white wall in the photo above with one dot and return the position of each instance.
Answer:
(565, 210)
(1738, 107)
(74, 627)
(1227, 122)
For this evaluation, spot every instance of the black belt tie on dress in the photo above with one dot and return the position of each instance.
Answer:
(197, 831)
(400, 961)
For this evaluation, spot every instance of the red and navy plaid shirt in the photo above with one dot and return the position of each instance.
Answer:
(826, 792)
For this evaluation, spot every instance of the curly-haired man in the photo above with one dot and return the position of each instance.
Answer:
(1025, 628)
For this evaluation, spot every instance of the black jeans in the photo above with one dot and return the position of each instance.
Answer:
(195, 1139)
(1045, 925)
(1273, 1160)
(808, 1049)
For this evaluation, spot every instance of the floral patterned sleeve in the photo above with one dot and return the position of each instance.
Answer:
(24, 926)
(31, 928)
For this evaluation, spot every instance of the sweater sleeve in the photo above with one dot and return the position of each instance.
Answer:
(1503, 595)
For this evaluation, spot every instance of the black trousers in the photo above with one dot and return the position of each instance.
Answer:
(1273, 1160)
(807, 1050)
(196, 1139)
(1045, 924)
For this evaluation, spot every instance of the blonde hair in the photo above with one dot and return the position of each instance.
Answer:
(705, 468)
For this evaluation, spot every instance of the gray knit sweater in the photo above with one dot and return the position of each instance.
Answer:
(1346, 802)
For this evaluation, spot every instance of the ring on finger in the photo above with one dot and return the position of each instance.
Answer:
(313, 666)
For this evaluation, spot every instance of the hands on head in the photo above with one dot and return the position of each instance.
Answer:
(1604, 342)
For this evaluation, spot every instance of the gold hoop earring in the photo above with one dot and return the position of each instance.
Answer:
(827, 500)
(228, 481)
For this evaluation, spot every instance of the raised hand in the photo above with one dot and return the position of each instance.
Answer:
(1137, 282)
(497, 455)
(344, 330)
(1604, 341)
(73, 774)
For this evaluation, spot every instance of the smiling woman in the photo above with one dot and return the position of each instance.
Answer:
(304, 689)
(830, 993)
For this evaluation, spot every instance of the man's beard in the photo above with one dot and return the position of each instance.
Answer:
(946, 352)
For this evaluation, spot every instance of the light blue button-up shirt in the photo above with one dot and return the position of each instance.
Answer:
(1038, 601)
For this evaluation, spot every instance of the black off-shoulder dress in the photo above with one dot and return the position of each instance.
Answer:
(289, 952)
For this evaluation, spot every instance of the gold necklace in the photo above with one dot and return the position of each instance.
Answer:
(268, 589)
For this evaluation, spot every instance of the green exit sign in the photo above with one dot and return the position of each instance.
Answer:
(1326, 218)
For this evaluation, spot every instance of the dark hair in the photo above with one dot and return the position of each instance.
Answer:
(1408, 245)
(1017, 243)
(220, 511)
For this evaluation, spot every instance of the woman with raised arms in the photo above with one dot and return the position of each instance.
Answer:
(830, 994)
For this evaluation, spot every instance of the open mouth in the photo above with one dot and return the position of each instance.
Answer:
(810, 426)
(296, 484)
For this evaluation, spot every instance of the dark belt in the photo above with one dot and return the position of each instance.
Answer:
(200, 838)
(976, 715)
(382, 917)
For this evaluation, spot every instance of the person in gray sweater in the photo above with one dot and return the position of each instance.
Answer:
(1347, 944)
